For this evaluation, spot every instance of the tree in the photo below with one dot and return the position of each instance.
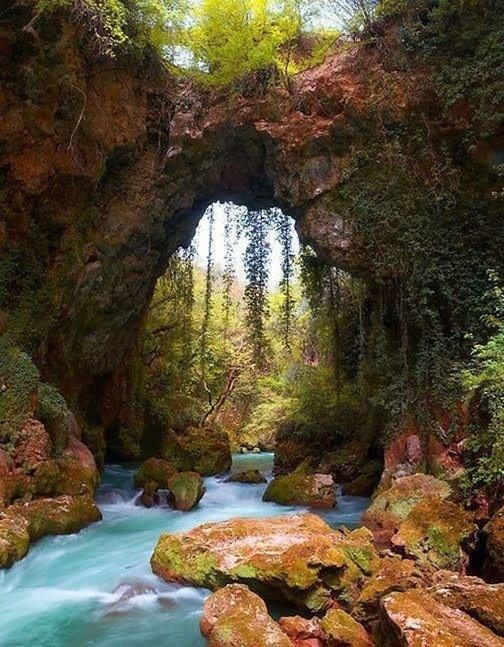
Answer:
(232, 38)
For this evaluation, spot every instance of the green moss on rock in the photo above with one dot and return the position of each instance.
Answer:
(314, 490)
(203, 450)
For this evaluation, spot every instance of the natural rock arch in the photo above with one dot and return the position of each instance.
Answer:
(107, 168)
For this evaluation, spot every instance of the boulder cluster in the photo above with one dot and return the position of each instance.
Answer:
(401, 579)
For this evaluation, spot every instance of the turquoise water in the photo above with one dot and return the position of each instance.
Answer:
(96, 587)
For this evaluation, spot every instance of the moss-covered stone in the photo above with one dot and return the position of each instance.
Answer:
(19, 381)
(56, 516)
(53, 412)
(392, 506)
(296, 558)
(416, 618)
(251, 477)
(186, 489)
(155, 470)
(14, 539)
(437, 533)
(365, 483)
(341, 629)
(313, 490)
(203, 450)
(234, 616)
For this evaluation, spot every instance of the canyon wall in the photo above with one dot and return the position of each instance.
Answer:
(106, 167)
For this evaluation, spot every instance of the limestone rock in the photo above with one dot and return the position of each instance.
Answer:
(236, 617)
(187, 490)
(477, 598)
(392, 506)
(437, 533)
(57, 516)
(393, 574)
(154, 470)
(249, 476)
(206, 451)
(303, 632)
(313, 490)
(341, 630)
(14, 539)
(416, 618)
(298, 558)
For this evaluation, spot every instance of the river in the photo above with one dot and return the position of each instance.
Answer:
(96, 587)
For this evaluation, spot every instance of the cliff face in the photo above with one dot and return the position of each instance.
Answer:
(107, 166)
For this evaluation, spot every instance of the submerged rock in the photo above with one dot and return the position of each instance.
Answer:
(249, 477)
(313, 490)
(298, 558)
(203, 450)
(187, 490)
(391, 507)
(236, 617)
(437, 533)
(416, 618)
(154, 470)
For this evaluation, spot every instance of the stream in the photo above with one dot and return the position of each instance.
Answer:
(96, 587)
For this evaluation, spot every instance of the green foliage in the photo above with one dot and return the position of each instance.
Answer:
(53, 412)
(486, 380)
(19, 381)
(233, 38)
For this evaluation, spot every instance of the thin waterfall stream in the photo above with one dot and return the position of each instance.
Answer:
(96, 587)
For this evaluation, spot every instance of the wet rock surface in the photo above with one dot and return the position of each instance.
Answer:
(186, 489)
(297, 558)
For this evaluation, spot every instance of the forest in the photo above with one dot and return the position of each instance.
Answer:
(252, 322)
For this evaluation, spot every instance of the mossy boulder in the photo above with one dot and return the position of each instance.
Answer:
(78, 471)
(61, 515)
(393, 574)
(474, 596)
(437, 533)
(203, 450)
(53, 412)
(391, 507)
(339, 628)
(234, 616)
(155, 470)
(297, 558)
(19, 382)
(252, 477)
(14, 539)
(416, 618)
(312, 490)
(186, 489)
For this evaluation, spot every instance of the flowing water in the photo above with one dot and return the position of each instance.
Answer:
(96, 587)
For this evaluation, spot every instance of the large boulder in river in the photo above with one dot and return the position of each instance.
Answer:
(416, 618)
(391, 507)
(14, 539)
(199, 449)
(236, 617)
(313, 490)
(251, 477)
(186, 489)
(298, 558)
(154, 470)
